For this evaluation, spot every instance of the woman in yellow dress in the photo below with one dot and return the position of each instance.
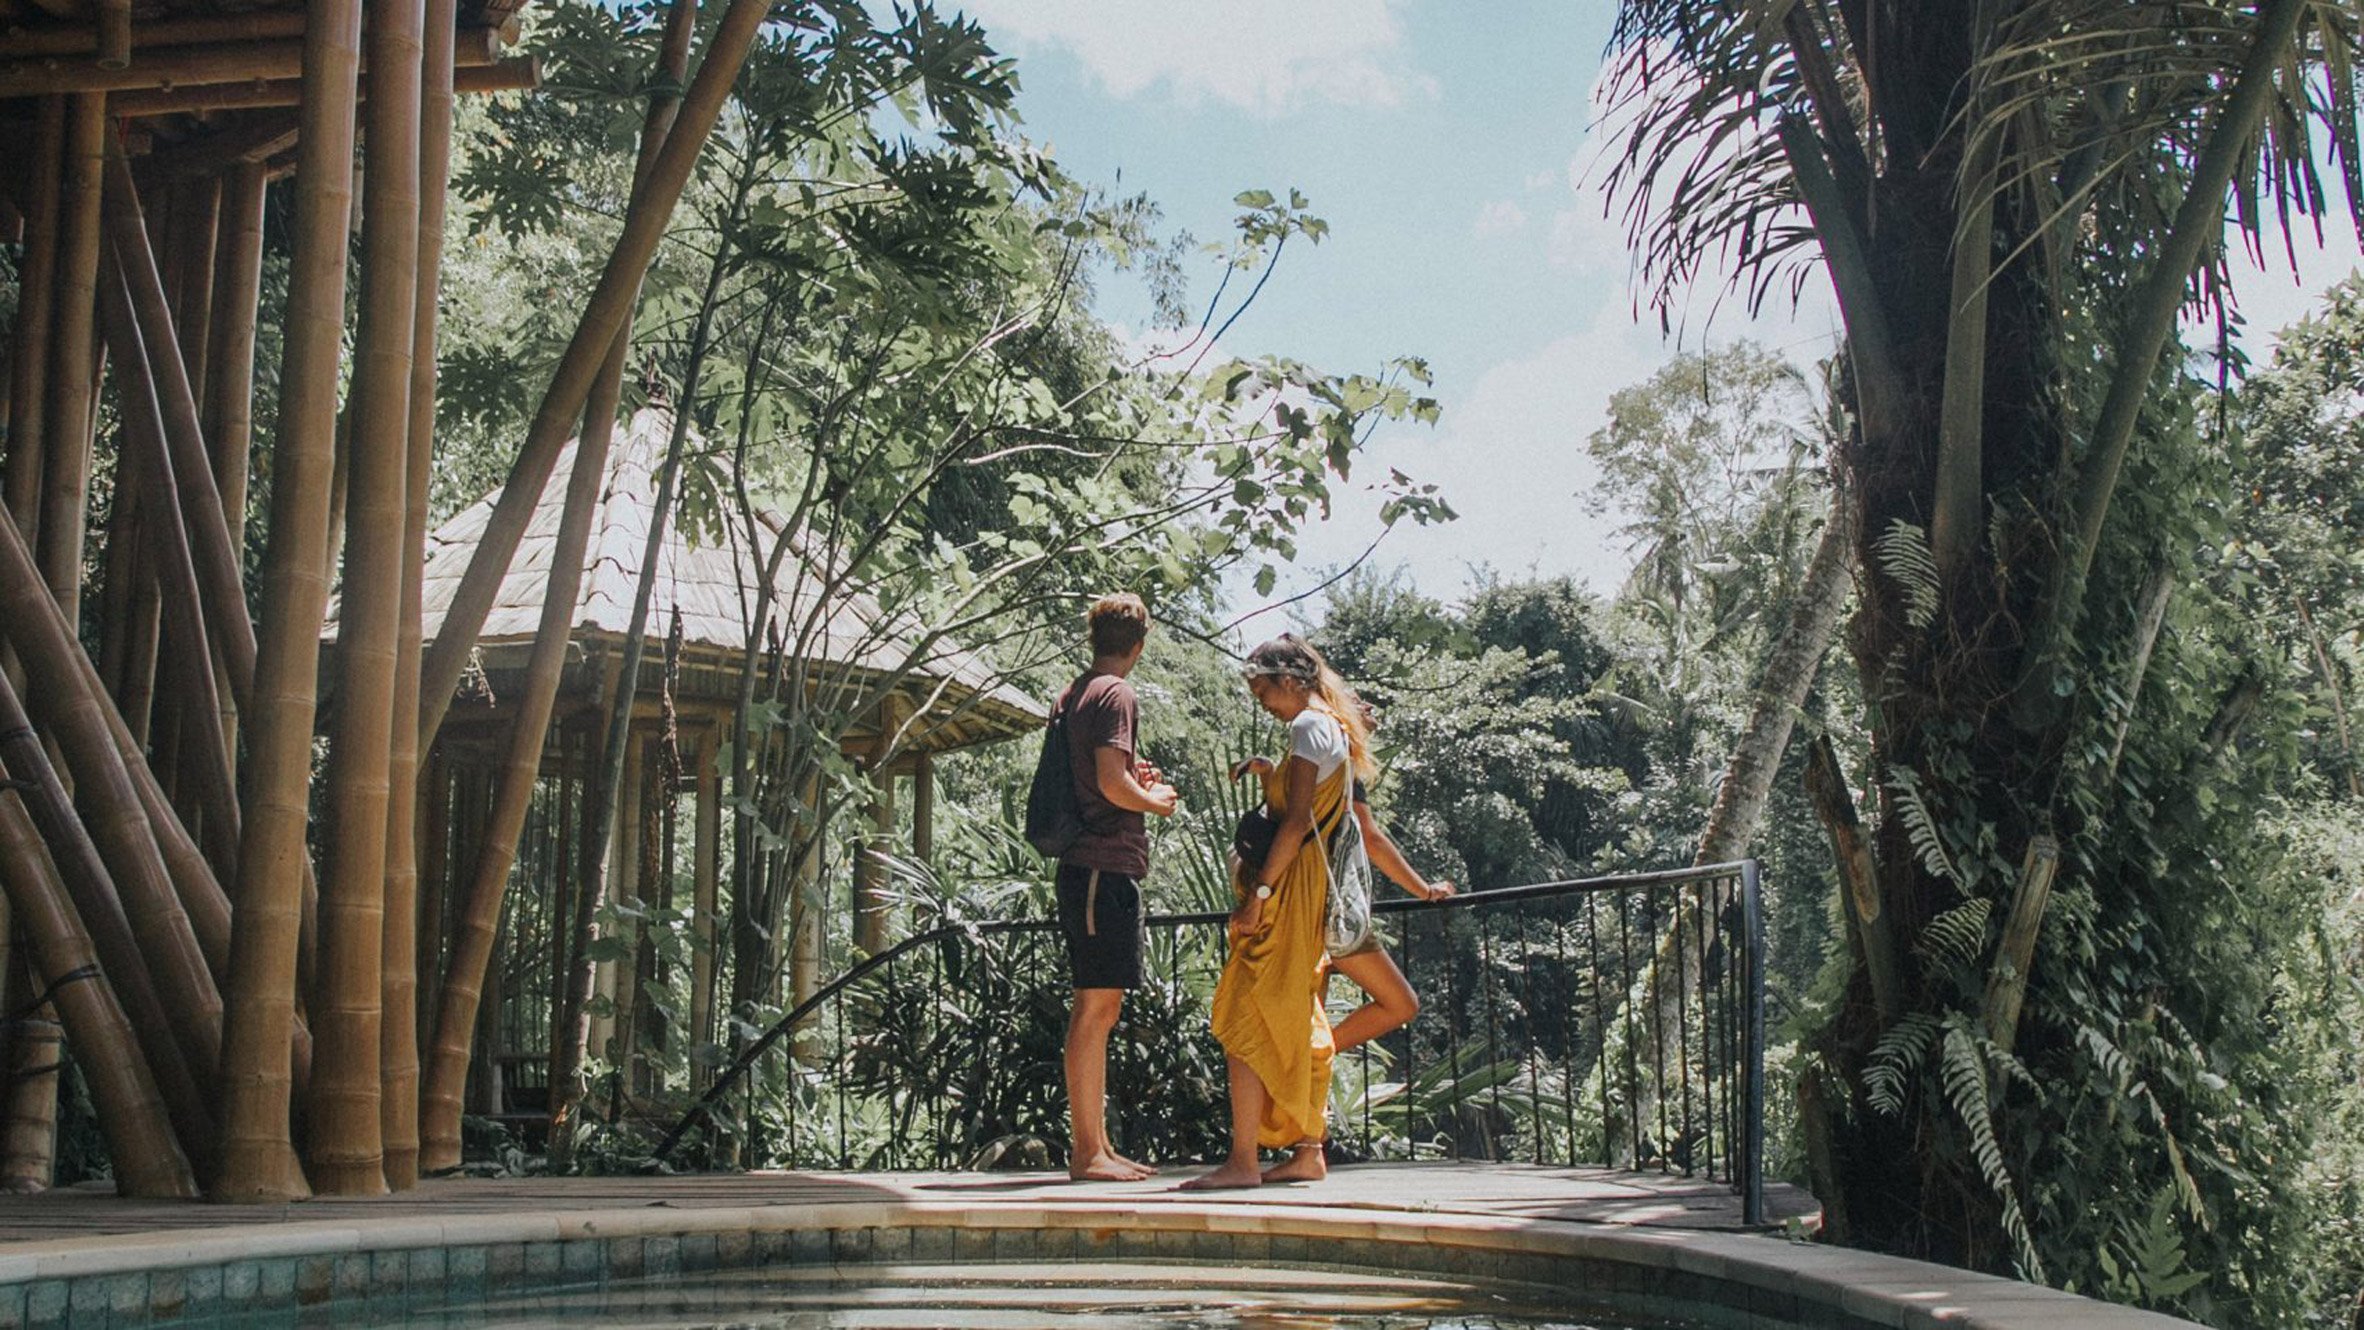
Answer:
(1268, 1005)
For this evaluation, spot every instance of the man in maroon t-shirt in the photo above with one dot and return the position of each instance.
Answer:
(1099, 882)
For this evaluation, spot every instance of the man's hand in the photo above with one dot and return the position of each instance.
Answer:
(1163, 800)
(1439, 889)
(1147, 773)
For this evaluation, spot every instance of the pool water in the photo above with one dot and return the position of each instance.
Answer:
(1099, 1296)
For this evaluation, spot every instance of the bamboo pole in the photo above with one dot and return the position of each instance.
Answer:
(630, 810)
(114, 34)
(196, 226)
(169, 556)
(346, 1155)
(96, 914)
(28, 366)
(75, 715)
(188, 66)
(480, 908)
(705, 900)
(35, 1051)
(228, 423)
(65, 445)
(603, 320)
(258, 1161)
(398, 1109)
(514, 74)
(157, 33)
(197, 503)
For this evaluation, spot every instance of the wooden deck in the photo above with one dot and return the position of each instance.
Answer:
(1590, 1196)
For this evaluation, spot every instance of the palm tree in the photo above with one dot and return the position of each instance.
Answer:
(2014, 202)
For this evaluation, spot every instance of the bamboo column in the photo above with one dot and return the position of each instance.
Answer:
(631, 807)
(228, 423)
(75, 714)
(258, 1161)
(28, 366)
(147, 1160)
(873, 910)
(98, 915)
(398, 1109)
(347, 1148)
(65, 442)
(479, 916)
(214, 559)
(705, 901)
(923, 807)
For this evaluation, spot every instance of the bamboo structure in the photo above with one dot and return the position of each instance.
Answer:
(242, 986)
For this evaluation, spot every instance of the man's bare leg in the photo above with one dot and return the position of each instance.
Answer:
(1305, 1163)
(1247, 1113)
(1392, 1003)
(1090, 1157)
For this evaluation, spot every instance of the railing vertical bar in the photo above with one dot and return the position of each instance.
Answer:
(1735, 1003)
(1486, 977)
(1571, 1035)
(1657, 1020)
(1682, 960)
(1633, 1074)
(1527, 1000)
(1710, 1032)
(1411, 1035)
(1452, 1032)
(1600, 1025)
(1752, 1162)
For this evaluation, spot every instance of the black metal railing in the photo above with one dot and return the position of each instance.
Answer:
(1614, 1022)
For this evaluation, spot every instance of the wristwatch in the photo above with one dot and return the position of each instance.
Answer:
(1264, 891)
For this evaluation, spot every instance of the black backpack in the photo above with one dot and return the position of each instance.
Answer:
(1054, 818)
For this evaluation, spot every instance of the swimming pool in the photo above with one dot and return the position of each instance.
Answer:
(893, 1263)
(1101, 1296)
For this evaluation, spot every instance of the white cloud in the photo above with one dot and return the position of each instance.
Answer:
(1250, 54)
(1500, 218)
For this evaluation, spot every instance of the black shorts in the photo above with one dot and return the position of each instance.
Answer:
(1100, 916)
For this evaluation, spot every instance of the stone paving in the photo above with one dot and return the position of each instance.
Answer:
(1511, 1190)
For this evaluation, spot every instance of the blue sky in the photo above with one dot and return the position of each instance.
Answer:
(1448, 147)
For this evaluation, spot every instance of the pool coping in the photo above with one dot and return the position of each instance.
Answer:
(1839, 1286)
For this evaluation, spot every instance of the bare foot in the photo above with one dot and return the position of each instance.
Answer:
(1107, 1167)
(1304, 1164)
(1145, 1170)
(1230, 1177)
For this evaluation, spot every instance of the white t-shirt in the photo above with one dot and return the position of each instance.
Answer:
(1317, 737)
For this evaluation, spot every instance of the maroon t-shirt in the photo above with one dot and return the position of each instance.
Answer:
(1103, 713)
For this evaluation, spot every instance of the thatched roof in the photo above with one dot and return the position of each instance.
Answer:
(711, 586)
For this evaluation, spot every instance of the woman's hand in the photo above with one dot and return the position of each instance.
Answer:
(1438, 890)
(1245, 920)
(1254, 766)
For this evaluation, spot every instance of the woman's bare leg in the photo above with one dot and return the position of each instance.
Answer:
(1393, 1003)
(1247, 1113)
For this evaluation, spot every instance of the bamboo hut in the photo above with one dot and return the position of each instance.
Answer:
(930, 701)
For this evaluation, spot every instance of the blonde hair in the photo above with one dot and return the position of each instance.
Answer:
(1292, 657)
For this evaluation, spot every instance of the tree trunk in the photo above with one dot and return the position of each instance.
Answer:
(258, 1160)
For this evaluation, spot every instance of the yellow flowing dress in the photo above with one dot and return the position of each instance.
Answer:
(1268, 1005)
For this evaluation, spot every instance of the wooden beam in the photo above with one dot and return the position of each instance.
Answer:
(29, 343)
(513, 74)
(186, 66)
(157, 33)
(252, 140)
